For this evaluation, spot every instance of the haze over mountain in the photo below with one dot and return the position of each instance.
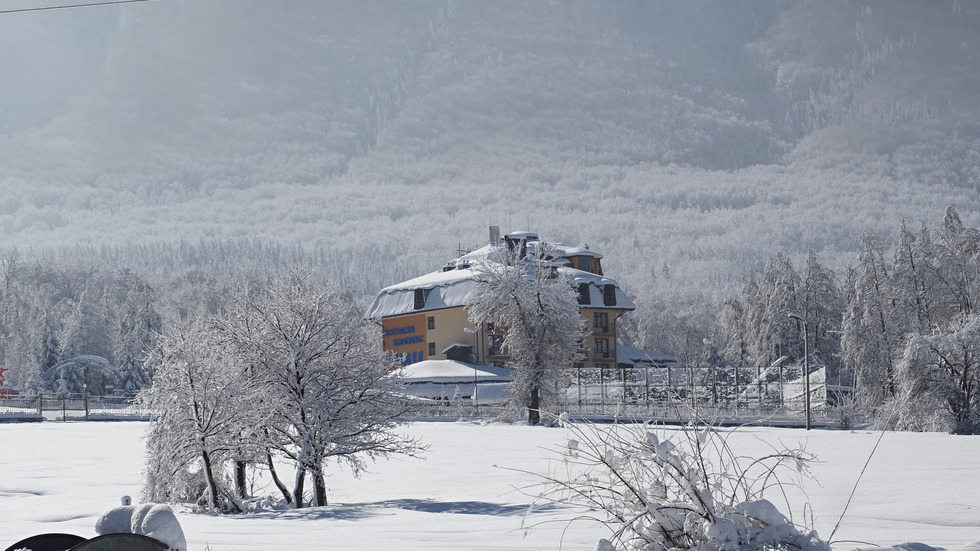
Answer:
(688, 141)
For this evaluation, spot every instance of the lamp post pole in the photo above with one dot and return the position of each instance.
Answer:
(476, 341)
(806, 366)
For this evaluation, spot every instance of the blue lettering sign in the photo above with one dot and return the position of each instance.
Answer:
(400, 331)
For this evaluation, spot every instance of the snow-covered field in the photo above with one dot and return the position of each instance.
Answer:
(59, 477)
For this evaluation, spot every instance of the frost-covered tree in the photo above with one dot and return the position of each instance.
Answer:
(759, 327)
(938, 382)
(135, 324)
(908, 329)
(736, 348)
(538, 310)
(821, 304)
(957, 258)
(915, 280)
(202, 398)
(327, 387)
(870, 336)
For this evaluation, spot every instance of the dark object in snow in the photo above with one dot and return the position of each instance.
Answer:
(48, 542)
(121, 542)
(107, 542)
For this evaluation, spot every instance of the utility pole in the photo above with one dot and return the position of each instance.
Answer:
(806, 366)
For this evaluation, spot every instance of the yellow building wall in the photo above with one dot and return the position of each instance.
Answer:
(448, 328)
(410, 336)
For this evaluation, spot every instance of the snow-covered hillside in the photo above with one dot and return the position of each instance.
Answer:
(690, 138)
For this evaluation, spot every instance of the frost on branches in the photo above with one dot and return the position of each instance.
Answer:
(288, 372)
(538, 309)
(689, 491)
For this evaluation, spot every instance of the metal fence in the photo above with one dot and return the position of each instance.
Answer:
(70, 407)
(773, 395)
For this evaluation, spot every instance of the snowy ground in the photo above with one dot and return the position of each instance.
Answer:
(59, 477)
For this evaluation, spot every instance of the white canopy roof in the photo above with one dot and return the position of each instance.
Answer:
(451, 371)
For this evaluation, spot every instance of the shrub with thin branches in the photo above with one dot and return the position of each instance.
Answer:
(689, 491)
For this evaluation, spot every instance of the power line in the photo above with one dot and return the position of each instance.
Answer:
(68, 6)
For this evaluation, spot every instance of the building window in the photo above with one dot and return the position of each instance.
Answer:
(609, 294)
(495, 345)
(421, 295)
(601, 348)
(584, 296)
(600, 322)
(432, 349)
(431, 323)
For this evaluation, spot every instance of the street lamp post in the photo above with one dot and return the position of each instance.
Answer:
(806, 366)
(476, 341)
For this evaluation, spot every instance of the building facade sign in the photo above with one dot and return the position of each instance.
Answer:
(405, 336)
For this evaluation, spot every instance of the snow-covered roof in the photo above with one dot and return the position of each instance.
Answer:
(563, 250)
(596, 284)
(525, 235)
(456, 283)
(456, 345)
(630, 355)
(451, 371)
(445, 290)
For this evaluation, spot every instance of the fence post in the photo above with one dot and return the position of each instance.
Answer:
(623, 370)
(782, 394)
(646, 384)
(737, 391)
(758, 378)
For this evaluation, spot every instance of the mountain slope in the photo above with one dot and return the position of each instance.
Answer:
(686, 138)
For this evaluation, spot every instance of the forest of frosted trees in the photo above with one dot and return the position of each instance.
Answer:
(899, 325)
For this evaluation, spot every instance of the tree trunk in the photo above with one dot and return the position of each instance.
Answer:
(240, 482)
(319, 489)
(275, 479)
(298, 490)
(534, 407)
(209, 478)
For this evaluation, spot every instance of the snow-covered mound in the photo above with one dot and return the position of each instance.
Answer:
(153, 520)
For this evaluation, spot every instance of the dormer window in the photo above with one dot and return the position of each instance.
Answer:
(609, 295)
(421, 295)
(584, 296)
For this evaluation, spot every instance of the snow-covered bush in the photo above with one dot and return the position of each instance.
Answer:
(680, 489)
